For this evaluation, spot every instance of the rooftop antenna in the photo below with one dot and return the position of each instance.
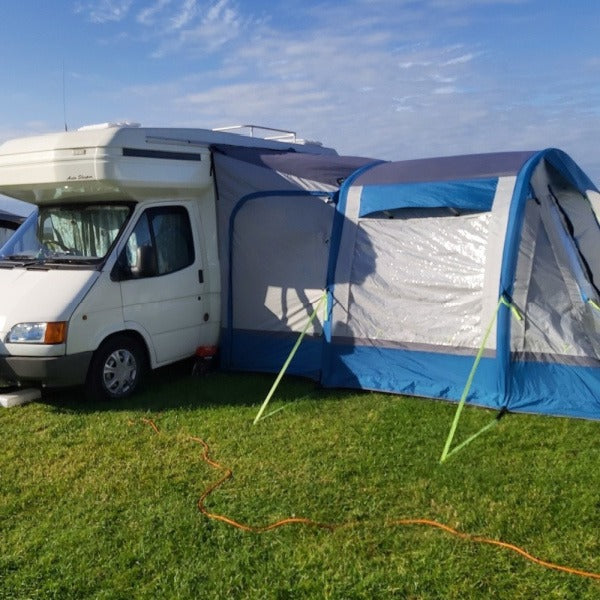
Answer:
(64, 97)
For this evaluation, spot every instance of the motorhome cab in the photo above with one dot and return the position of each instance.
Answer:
(118, 269)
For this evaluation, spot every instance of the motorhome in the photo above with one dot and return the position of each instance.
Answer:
(118, 269)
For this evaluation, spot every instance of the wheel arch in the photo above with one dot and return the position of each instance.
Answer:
(134, 335)
(96, 384)
(133, 331)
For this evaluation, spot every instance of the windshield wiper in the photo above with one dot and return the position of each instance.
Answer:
(20, 257)
(21, 260)
(71, 260)
(46, 262)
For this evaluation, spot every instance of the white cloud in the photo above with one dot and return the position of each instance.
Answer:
(148, 15)
(104, 11)
(195, 29)
(443, 78)
(448, 89)
(185, 15)
(411, 64)
(463, 58)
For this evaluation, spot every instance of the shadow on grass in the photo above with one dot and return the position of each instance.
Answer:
(175, 387)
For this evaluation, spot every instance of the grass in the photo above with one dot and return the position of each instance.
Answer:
(94, 504)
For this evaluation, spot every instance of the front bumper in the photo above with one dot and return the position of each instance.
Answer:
(47, 371)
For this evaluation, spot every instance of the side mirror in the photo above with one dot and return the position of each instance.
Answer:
(146, 261)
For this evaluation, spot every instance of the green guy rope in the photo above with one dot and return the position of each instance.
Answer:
(472, 437)
(286, 364)
(446, 453)
(594, 304)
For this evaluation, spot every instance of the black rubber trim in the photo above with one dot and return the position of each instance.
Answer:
(139, 153)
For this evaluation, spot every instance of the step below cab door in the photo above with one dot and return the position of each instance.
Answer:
(161, 276)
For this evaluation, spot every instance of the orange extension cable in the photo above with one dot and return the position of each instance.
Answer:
(305, 521)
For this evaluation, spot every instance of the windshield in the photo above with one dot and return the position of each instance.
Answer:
(69, 233)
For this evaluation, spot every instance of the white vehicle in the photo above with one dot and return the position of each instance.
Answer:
(118, 269)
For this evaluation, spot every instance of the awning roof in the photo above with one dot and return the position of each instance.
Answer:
(327, 169)
(446, 168)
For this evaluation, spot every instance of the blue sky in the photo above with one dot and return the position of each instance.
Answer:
(391, 79)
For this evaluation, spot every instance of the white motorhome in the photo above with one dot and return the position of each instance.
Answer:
(118, 269)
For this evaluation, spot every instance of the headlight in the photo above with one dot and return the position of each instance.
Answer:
(38, 333)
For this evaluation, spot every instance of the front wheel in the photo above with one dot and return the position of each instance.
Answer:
(117, 369)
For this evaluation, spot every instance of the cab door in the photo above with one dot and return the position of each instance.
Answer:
(161, 277)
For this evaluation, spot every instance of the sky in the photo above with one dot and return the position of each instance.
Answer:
(387, 79)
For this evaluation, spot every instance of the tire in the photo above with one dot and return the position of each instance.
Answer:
(117, 369)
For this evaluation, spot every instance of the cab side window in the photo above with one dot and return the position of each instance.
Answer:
(161, 243)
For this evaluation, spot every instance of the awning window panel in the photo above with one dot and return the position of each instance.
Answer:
(457, 197)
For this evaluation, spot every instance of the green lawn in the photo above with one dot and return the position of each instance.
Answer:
(95, 504)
